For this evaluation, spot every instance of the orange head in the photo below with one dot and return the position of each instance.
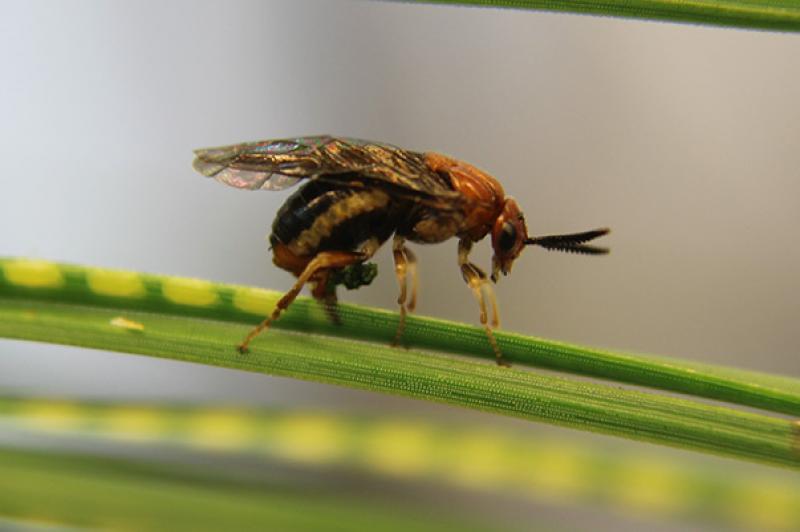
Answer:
(510, 236)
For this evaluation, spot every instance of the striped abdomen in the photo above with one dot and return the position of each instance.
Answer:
(326, 216)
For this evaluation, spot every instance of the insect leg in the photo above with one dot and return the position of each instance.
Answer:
(482, 290)
(327, 259)
(405, 264)
(326, 295)
(411, 263)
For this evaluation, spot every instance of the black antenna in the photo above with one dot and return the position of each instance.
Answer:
(572, 243)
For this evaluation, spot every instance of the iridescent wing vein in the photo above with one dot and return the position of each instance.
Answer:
(281, 163)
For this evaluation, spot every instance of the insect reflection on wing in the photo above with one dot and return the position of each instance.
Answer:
(358, 194)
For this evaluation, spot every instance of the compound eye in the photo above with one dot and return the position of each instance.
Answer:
(508, 237)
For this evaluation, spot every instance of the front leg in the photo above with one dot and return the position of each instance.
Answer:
(482, 290)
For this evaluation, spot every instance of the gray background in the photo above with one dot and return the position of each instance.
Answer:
(683, 139)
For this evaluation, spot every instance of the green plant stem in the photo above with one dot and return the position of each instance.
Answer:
(30, 312)
(759, 14)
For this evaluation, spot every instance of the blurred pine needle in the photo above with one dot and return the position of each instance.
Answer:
(486, 460)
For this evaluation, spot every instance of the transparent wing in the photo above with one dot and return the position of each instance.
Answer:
(277, 164)
(224, 165)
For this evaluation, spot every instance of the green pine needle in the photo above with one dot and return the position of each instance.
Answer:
(757, 14)
(202, 322)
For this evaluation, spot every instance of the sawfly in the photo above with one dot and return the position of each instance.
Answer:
(357, 194)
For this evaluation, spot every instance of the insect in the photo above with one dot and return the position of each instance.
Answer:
(358, 194)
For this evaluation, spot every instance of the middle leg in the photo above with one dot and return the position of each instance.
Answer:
(405, 265)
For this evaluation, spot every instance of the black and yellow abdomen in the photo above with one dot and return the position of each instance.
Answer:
(330, 216)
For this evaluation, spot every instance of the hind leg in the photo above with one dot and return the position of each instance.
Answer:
(325, 293)
(324, 260)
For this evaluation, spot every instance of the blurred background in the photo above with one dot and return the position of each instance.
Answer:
(685, 140)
